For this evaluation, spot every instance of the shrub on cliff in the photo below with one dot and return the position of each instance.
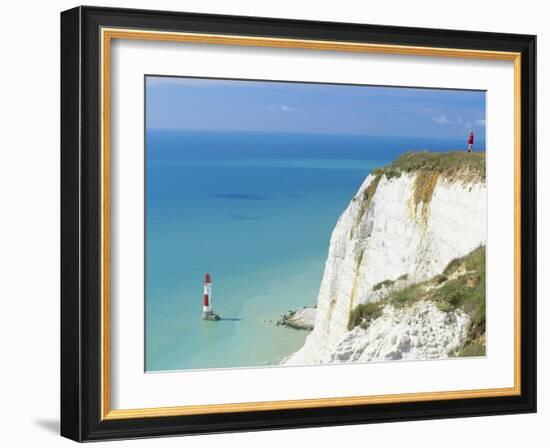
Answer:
(364, 313)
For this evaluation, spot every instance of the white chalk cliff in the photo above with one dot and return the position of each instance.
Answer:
(403, 228)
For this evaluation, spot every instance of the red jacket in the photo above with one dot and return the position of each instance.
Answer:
(471, 138)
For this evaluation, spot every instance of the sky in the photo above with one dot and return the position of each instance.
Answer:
(202, 104)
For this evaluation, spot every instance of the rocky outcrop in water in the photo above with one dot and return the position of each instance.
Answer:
(303, 319)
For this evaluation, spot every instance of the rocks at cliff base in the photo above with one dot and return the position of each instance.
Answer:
(302, 319)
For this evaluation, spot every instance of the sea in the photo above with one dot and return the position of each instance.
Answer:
(256, 211)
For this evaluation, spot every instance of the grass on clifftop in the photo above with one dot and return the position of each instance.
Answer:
(460, 286)
(450, 165)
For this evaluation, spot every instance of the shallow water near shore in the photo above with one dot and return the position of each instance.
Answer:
(255, 211)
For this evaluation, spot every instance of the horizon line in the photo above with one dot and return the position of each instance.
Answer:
(354, 134)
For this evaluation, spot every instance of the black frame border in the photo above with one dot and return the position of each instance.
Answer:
(81, 208)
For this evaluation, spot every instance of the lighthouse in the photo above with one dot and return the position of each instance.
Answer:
(207, 313)
(470, 141)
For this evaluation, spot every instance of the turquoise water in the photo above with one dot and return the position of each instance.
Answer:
(255, 211)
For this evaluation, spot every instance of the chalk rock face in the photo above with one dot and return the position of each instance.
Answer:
(420, 331)
(391, 231)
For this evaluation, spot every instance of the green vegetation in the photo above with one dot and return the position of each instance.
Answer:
(461, 286)
(452, 266)
(449, 165)
(465, 290)
(387, 283)
(407, 295)
(384, 284)
(440, 278)
(363, 314)
(473, 348)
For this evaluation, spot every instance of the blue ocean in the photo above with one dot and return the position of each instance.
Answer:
(256, 211)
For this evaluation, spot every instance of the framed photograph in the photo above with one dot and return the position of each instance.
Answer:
(276, 224)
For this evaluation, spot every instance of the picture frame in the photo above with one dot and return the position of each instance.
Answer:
(87, 35)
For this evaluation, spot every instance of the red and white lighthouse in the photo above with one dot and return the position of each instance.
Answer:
(207, 310)
(470, 141)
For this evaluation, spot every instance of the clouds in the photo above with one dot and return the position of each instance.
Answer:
(459, 122)
(279, 108)
(442, 119)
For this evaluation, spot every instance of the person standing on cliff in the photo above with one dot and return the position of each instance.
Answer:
(470, 141)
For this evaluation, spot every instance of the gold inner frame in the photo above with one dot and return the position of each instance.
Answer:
(107, 35)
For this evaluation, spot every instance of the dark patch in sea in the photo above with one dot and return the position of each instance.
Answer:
(243, 196)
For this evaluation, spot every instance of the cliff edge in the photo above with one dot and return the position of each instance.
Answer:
(407, 222)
